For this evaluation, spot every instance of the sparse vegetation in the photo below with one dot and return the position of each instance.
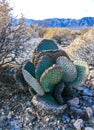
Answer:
(12, 36)
(56, 81)
(82, 47)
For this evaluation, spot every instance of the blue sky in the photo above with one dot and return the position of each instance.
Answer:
(42, 9)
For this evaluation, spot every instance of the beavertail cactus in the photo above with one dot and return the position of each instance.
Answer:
(69, 69)
(82, 73)
(44, 63)
(51, 77)
(46, 45)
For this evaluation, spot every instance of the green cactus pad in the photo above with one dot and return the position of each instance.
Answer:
(53, 54)
(44, 63)
(69, 69)
(51, 77)
(32, 82)
(47, 105)
(48, 98)
(58, 93)
(29, 66)
(46, 45)
(82, 73)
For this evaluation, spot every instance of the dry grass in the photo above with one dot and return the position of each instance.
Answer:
(82, 47)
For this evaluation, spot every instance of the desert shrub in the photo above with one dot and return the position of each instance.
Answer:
(62, 36)
(41, 32)
(12, 36)
(82, 46)
(86, 53)
(51, 32)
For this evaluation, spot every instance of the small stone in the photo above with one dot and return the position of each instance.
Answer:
(91, 83)
(67, 117)
(91, 74)
(89, 128)
(93, 108)
(87, 92)
(47, 119)
(89, 112)
(92, 120)
(80, 88)
(79, 124)
(74, 101)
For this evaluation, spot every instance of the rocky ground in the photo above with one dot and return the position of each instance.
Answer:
(18, 113)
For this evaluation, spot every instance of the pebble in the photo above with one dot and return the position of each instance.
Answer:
(26, 117)
(87, 92)
(92, 108)
(89, 112)
(78, 124)
(89, 128)
(67, 117)
(74, 102)
(91, 74)
(91, 83)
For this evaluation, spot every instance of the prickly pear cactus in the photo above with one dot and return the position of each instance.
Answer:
(51, 77)
(44, 63)
(69, 69)
(82, 73)
(46, 45)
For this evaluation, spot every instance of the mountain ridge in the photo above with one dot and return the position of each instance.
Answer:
(62, 22)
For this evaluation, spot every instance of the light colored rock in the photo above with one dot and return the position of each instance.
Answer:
(89, 128)
(89, 112)
(79, 124)
(74, 101)
(91, 74)
(87, 92)
(91, 82)
(93, 108)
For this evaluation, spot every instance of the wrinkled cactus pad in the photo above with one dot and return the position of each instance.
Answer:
(46, 45)
(58, 93)
(69, 69)
(82, 73)
(43, 104)
(54, 54)
(32, 82)
(51, 77)
(44, 63)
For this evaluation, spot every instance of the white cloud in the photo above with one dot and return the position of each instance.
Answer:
(41, 9)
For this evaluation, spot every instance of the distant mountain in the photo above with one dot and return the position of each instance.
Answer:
(69, 23)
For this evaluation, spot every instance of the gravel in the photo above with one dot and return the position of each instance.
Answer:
(17, 111)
